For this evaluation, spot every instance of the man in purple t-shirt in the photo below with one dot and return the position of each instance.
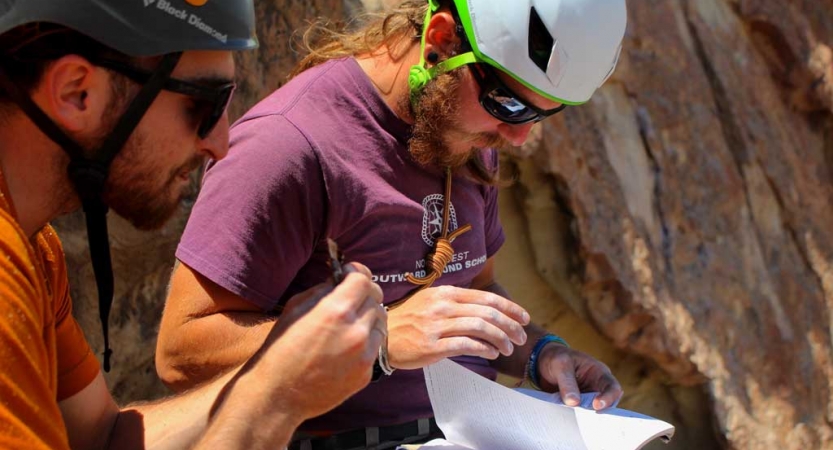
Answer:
(393, 163)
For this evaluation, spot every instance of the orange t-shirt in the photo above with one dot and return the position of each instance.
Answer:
(44, 357)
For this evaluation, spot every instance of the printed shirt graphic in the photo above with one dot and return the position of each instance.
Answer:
(325, 157)
(432, 219)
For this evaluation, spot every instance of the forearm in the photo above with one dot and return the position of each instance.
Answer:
(235, 411)
(172, 423)
(203, 348)
(515, 364)
(246, 416)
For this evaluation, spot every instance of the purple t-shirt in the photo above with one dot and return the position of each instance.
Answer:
(324, 156)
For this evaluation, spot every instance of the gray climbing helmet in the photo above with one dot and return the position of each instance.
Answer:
(144, 27)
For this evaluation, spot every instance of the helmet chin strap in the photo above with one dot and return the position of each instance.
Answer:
(89, 174)
(420, 75)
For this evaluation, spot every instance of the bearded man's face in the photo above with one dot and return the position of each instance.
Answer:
(446, 116)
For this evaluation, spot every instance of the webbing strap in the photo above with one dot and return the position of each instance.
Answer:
(453, 63)
(95, 212)
(424, 427)
(137, 109)
(371, 437)
(89, 177)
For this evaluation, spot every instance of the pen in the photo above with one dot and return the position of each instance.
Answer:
(336, 261)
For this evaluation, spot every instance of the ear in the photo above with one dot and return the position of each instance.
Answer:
(441, 35)
(74, 94)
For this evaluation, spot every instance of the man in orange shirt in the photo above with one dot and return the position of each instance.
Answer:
(112, 104)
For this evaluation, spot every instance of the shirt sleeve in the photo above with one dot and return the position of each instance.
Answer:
(493, 228)
(260, 212)
(77, 365)
(29, 414)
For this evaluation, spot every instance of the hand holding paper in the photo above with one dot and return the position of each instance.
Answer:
(478, 414)
(571, 372)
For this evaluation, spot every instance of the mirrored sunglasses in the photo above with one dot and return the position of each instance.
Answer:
(504, 104)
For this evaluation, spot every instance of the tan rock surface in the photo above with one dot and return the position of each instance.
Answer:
(685, 211)
(676, 226)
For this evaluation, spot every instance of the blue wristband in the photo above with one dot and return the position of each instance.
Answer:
(532, 365)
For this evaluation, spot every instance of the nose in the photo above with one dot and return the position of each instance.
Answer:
(515, 134)
(215, 145)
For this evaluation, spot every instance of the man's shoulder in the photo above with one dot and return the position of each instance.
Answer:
(304, 92)
(15, 246)
(22, 256)
(25, 318)
(21, 283)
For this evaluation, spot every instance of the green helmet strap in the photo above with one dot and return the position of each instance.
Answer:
(420, 75)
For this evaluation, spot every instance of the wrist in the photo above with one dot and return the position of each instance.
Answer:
(271, 400)
(246, 413)
(533, 367)
(264, 392)
(237, 431)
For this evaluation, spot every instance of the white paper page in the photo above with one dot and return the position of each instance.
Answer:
(441, 444)
(617, 429)
(480, 414)
(613, 429)
(483, 415)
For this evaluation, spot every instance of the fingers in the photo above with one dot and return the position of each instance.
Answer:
(512, 329)
(379, 330)
(609, 394)
(568, 386)
(475, 327)
(303, 302)
(557, 366)
(461, 345)
(473, 296)
(355, 267)
(374, 315)
(373, 318)
(354, 290)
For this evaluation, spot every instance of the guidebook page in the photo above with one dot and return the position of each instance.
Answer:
(479, 414)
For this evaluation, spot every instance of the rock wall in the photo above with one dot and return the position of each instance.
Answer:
(676, 226)
(684, 213)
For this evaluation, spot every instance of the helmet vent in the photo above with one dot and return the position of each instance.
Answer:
(613, 66)
(541, 42)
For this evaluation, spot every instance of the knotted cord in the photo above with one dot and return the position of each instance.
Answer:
(440, 257)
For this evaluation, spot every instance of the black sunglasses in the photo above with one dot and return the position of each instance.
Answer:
(502, 103)
(211, 101)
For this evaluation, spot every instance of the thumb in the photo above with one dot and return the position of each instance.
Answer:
(355, 267)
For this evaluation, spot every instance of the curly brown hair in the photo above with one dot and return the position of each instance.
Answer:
(394, 32)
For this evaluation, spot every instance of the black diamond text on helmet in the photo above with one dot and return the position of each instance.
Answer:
(191, 18)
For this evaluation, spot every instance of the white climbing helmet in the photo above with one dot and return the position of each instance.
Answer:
(562, 49)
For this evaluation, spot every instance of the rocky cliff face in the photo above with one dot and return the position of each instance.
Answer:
(676, 226)
(685, 212)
